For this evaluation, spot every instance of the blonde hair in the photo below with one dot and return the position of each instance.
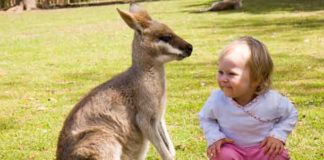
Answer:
(260, 62)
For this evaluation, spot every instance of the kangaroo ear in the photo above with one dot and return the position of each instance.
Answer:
(131, 21)
(139, 12)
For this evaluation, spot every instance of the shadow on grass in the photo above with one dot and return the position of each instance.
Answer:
(201, 5)
(91, 4)
(265, 6)
(301, 67)
(300, 76)
(267, 25)
(7, 123)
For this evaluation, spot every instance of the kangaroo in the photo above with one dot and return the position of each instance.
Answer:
(117, 119)
(225, 5)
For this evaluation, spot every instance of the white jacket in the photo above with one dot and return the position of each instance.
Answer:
(269, 114)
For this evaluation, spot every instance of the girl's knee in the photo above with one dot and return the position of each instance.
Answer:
(227, 153)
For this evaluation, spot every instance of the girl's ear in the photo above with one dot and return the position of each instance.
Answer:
(130, 20)
(257, 84)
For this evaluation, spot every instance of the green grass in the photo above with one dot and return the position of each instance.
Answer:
(49, 59)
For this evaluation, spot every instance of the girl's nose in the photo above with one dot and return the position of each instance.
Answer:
(222, 78)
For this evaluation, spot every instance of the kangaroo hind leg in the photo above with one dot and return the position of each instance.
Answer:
(96, 145)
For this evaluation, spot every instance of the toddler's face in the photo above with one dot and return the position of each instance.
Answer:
(234, 74)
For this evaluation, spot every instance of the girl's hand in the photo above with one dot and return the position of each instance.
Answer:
(214, 149)
(272, 147)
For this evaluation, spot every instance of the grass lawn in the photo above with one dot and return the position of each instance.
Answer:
(49, 59)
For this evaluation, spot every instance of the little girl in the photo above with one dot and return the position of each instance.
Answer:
(245, 119)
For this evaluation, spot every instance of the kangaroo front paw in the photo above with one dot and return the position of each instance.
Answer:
(172, 152)
(169, 157)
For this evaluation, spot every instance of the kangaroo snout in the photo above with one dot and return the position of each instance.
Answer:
(187, 50)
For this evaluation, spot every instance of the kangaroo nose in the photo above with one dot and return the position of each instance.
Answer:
(189, 49)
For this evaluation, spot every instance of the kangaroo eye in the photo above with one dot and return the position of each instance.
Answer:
(165, 38)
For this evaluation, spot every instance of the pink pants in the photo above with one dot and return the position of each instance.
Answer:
(232, 152)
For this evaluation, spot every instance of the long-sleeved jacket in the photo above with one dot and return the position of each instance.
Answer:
(269, 114)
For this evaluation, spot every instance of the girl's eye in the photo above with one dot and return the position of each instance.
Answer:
(166, 38)
(232, 74)
(220, 72)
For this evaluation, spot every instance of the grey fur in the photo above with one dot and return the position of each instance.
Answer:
(225, 5)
